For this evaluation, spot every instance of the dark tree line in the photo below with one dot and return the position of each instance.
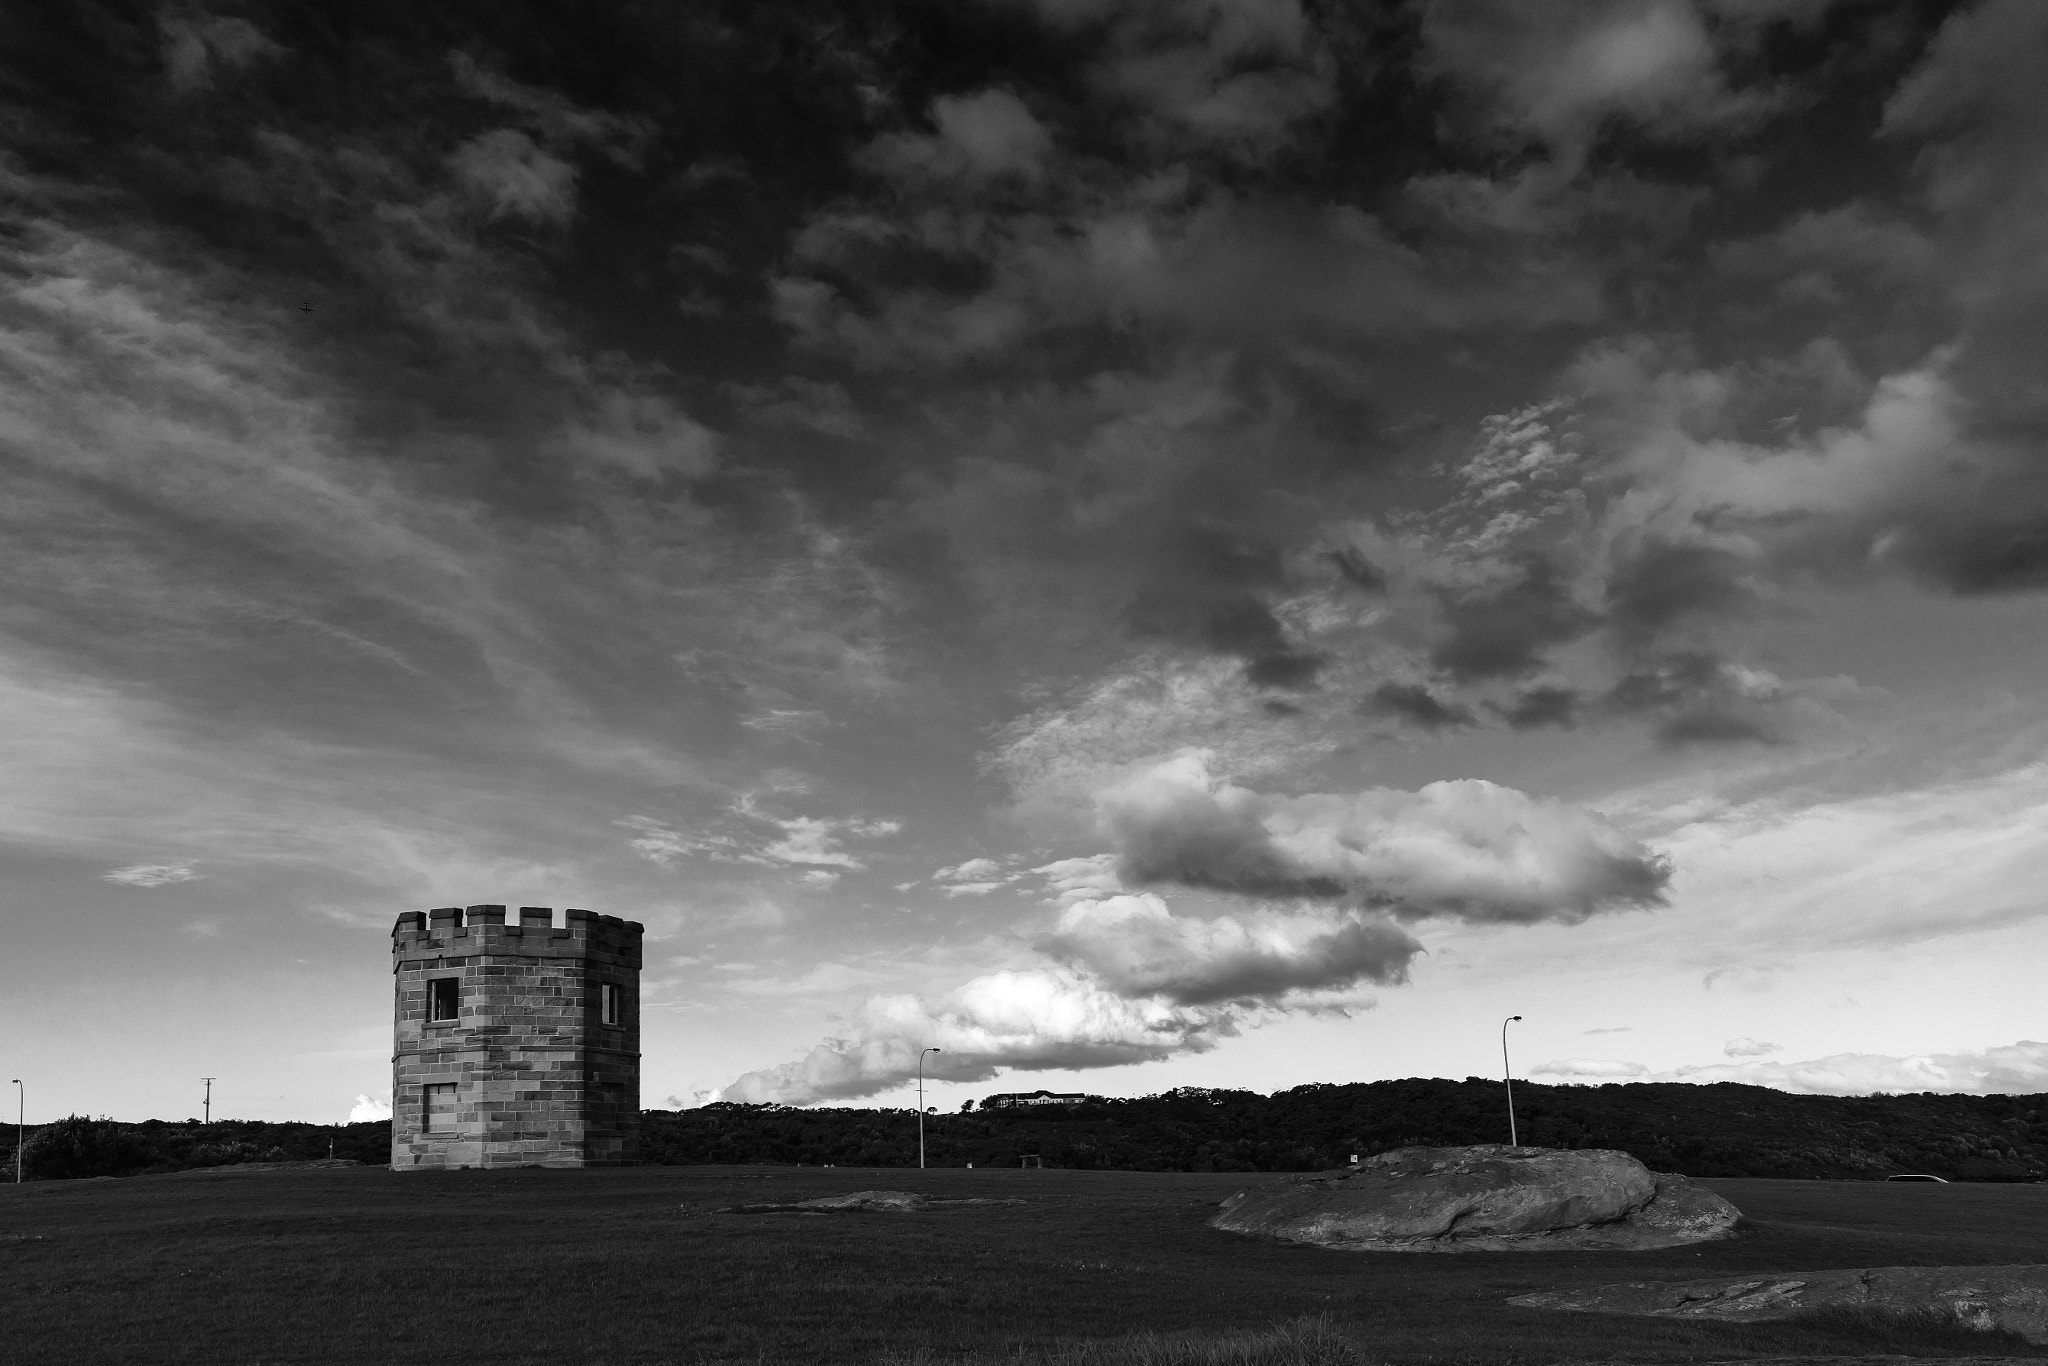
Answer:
(1718, 1130)
(80, 1146)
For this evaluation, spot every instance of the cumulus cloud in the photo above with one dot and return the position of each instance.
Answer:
(512, 176)
(1138, 947)
(151, 874)
(1133, 982)
(552, 117)
(1082, 879)
(979, 137)
(1224, 76)
(368, 1108)
(2011, 1069)
(196, 45)
(1030, 1019)
(1560, 73)
(1919, 483)
(1468, 848)
(1818, 256)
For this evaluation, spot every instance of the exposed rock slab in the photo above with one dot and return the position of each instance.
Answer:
(859, 1202)
(1488, 1198)
(2014, 1298)
(889, 1202)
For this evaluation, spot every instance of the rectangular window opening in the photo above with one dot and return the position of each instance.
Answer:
(611, 1008)
(443, 1000)
(437, 1112)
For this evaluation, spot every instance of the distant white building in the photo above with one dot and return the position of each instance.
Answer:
(1006, 1099)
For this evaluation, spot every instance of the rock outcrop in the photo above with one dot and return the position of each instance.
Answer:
(863, 1202)
(2014, 1298)
(1483, 1199)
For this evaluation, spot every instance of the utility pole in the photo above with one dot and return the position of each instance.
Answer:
(20, 1132)
(1508, 1075)
(920, 1106)
(209, 1100)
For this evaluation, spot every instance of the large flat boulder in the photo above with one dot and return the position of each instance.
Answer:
(863, 1202)
(2014, 1298)
(1485, 1198)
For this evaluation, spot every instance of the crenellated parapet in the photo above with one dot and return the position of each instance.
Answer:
(455, 931)
(515, 1042)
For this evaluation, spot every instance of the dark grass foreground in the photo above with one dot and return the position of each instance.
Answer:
(1320, 1341)
(648, 1265)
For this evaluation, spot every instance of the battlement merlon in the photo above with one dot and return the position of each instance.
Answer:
(452, 932)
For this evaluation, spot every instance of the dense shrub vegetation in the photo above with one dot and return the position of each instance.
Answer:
(77, 1146)
(1719, 1130)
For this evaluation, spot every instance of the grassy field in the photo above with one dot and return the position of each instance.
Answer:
(650, 1265)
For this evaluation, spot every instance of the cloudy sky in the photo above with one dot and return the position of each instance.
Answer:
(1138, 542)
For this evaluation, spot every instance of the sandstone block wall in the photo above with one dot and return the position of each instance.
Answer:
(539, 1078)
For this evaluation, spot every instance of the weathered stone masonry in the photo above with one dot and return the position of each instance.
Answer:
(537, 1075)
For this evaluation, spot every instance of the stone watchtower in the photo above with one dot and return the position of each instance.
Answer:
(514, 1045)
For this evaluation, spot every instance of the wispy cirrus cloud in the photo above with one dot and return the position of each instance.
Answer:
(151, 874)
(812, 842)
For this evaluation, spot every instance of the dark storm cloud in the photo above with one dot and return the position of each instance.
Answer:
(1697, 698)
(1243, 627)
(1415, 704)
(1504, 631)
(1136, 947)
(1202, 597)
(1654, 583)
(1937, 468)
(1359, 571)
(1543, 705)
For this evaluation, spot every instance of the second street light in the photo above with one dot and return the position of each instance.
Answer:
(920, 1106)
(1507, 1074)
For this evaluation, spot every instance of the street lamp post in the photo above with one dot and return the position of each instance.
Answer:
(1508, 1075)
(920, 1106)
(20, 1132)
